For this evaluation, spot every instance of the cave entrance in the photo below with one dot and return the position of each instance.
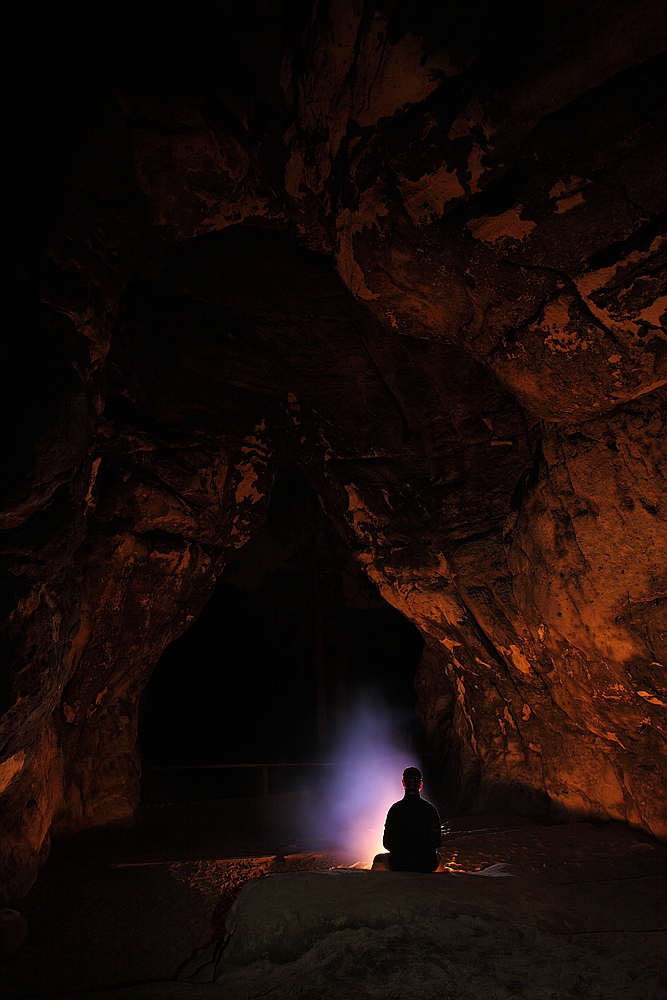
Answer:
(292, 638)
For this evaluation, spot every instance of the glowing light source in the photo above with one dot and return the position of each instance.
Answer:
(372, 757)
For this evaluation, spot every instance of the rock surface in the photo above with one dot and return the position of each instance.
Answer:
(282, 918)
(352, 934)
(418, 253)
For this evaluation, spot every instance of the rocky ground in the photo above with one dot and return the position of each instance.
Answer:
(584, 916)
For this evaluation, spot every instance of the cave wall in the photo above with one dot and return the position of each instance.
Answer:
(420, 251)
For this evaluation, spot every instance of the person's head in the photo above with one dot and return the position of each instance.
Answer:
(412, 780)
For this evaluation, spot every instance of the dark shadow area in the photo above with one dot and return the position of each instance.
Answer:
(292, 637)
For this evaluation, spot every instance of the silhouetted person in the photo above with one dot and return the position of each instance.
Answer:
(412, 831)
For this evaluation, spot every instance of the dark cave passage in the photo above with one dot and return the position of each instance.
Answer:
(292, 638)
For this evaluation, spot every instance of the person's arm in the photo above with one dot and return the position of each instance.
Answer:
(436, 829)
(389, 838)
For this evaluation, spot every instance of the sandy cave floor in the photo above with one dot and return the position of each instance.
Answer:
(134, 906)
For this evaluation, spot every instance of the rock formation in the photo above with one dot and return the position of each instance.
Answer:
(344, 933)
(418, 250)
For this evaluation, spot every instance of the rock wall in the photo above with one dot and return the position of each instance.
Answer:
(421, 252)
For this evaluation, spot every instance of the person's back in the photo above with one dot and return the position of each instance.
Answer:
(412, 830)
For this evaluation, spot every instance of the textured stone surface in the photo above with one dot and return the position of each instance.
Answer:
(28, 804)
(351, 934)
(445, 302)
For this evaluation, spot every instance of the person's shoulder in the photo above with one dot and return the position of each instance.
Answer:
(428, 806)
(396, 809)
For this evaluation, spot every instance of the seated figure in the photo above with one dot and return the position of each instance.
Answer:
(412, 831)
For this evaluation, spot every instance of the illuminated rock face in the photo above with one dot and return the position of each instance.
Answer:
(450, 311)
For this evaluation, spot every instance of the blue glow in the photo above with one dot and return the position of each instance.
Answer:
(372, 753)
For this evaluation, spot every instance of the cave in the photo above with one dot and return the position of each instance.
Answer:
(335, 371)
(293, 638)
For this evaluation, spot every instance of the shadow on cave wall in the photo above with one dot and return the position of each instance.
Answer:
(293, 637)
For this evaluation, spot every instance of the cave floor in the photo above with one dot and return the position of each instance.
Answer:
(131, 906)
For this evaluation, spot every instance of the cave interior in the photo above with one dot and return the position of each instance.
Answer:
(277, 663)
(334, 382)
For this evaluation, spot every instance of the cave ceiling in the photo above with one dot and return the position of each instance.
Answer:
(419, 250)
